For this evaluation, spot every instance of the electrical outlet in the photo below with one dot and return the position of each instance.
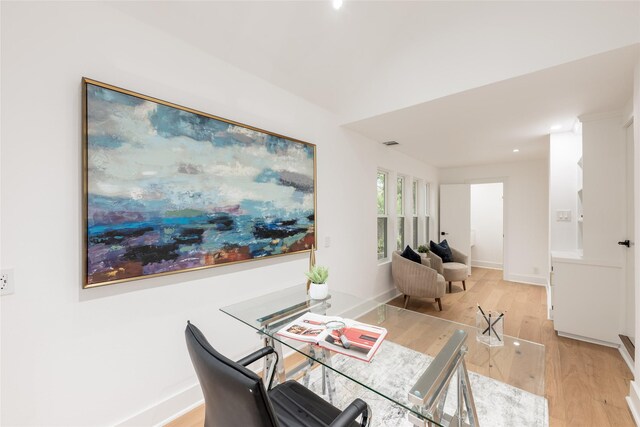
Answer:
(6, 282)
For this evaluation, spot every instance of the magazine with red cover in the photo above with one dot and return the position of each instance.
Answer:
(344, 336)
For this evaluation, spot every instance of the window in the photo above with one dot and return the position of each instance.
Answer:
(426, 214)
(400, 212)
(382, 214)
(414, 211)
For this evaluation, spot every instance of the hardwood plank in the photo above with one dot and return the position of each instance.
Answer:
(194, 418)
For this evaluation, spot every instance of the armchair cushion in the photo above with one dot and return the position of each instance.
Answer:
(455, 272)
(410, 254)
(442, 249)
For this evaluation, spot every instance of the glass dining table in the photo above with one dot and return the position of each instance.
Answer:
(407, 377)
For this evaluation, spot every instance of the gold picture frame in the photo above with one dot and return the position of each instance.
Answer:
(169, 189)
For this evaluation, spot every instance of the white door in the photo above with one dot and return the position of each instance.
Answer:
(630, 252)
(455, 216)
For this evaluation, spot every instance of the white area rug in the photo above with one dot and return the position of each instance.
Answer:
(395, 368)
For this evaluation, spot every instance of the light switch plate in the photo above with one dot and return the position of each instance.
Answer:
(563, 215)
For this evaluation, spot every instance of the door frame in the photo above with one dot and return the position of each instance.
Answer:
(626, 125)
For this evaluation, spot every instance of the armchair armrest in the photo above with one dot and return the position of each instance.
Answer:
(256, 355)
(459, 256)
(352, 412)
(436, 262)
(425, 261)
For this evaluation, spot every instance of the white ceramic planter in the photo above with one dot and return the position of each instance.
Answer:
(318, 290)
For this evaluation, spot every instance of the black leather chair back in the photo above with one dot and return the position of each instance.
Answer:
(234, 395)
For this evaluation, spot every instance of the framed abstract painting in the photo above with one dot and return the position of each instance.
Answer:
(170, 189)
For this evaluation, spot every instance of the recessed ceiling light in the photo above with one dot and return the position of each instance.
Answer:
(337, 4)
(516, 150)
(555, 127)
(388, 143)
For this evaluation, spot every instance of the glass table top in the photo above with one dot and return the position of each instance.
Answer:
(413, 340)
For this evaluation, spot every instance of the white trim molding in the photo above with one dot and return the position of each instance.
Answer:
(528, 279)
(633, 400)
(587, 339)
(487, 264)
(166, 410)
(627, 359)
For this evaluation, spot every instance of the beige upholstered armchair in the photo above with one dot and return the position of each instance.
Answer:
(417, 280)
(456, 271)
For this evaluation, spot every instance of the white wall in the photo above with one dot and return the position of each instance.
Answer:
(99, 356)
(526, 198)
(486, 224)
(564, 153)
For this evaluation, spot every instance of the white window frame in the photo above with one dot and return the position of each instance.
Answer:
(401, 219)
(427, 213)
(385, 256)
(415, 219)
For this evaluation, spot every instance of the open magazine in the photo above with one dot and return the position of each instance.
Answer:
(344, 336)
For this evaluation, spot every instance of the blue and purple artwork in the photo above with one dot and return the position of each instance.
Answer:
(170, 189)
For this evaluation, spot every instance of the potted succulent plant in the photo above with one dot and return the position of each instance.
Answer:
(423, 250)
(318, 276)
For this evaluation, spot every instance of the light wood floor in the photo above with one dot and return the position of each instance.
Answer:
(585, 384)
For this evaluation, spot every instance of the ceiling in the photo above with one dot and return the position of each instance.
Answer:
(377, 64)
(486, 124)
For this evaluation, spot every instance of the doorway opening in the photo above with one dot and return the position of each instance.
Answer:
(487, 225)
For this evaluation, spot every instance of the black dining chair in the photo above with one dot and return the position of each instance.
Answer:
(236, 396)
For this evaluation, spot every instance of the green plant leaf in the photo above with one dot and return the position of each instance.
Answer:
(318, 274)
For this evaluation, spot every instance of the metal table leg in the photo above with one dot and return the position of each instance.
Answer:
(430, 391)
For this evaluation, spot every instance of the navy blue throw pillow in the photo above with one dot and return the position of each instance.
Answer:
(442, 250)
(410, 254)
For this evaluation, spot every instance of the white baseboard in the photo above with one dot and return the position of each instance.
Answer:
(529, 280)
(487, 264)
(633, 400)
(549, 300)
(591, 340)
(167, 410)
(386, 296)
